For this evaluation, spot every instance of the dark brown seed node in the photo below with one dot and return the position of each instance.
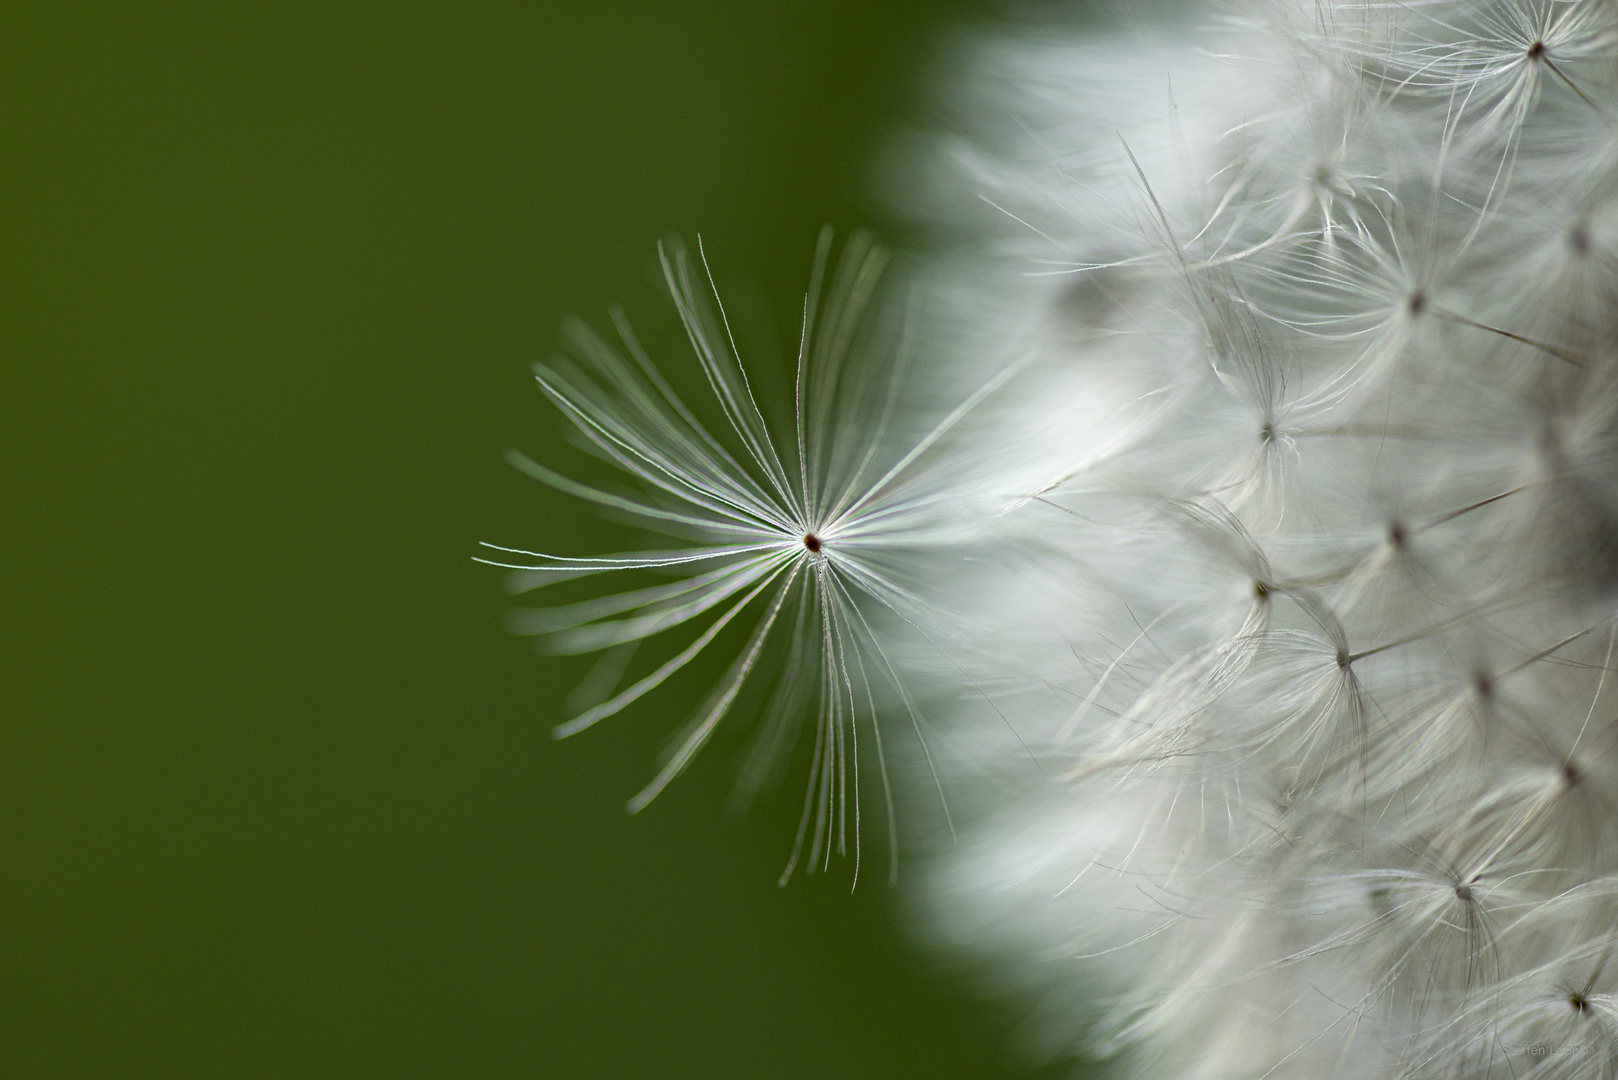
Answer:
(1536, 50)
(1580, 1003)
(812, 542)
(1417, 302)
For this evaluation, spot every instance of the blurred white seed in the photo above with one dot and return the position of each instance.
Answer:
(1318, 628)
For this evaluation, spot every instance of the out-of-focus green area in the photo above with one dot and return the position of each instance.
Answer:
(277, 793)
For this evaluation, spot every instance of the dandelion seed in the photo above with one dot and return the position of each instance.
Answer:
(811, 540)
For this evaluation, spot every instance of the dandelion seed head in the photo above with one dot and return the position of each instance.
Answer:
(1322, 646)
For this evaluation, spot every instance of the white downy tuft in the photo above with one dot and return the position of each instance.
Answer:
(808, 549)
(1314, 637)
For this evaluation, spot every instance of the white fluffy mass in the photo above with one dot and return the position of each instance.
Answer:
(1315, 648)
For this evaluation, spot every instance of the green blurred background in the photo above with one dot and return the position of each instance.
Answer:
(278, 793)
